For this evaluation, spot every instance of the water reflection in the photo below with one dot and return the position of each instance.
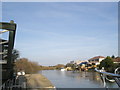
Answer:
(70, 79)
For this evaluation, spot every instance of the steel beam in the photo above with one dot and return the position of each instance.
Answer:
(7, 26)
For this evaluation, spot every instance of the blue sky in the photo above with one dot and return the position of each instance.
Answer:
(53, 33)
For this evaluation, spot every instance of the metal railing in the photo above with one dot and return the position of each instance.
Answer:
(115, 76)
(13, 83)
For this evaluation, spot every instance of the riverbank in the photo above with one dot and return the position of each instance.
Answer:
(38, 81)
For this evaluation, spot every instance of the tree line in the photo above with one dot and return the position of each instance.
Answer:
(24, 64)
(33, 67)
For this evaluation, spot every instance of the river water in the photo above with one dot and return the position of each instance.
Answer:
(70, 79)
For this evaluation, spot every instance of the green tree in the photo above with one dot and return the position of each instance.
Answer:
(113, 56)
(108, 64)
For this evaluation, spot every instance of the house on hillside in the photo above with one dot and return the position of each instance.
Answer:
(96, 60)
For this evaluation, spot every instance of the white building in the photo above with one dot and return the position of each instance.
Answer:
(96, 60)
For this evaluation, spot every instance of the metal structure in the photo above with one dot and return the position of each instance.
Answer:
(115, 77)
(6, 48)
(14, 84)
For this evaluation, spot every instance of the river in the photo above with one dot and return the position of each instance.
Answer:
(70, 79)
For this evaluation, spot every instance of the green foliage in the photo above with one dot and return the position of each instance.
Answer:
(108, 64)
(116, 65)
(113, 56)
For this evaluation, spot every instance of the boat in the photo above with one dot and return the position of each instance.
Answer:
(62, 69)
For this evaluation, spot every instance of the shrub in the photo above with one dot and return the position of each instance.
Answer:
(108, 64)
(26, 65)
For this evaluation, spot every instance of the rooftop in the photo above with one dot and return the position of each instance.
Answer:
(97, 57)
(117, 59)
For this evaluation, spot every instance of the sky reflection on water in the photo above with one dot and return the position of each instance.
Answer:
(69, 79)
